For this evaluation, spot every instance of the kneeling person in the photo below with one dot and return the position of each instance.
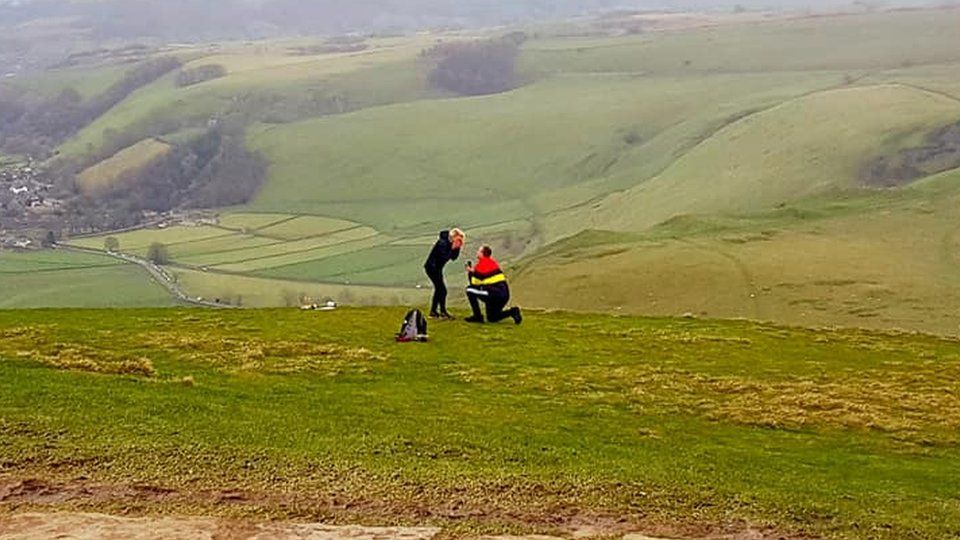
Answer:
(489, 285)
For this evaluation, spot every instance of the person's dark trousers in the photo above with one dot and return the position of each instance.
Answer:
(495, 304)
(474, 296)
(495, 312)
(439, 303)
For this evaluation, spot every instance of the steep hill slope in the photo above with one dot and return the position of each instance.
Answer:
(801, 148)
(480, 161)
(873, 259)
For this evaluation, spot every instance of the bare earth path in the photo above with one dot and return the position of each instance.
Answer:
(36, 526)
(76, 526)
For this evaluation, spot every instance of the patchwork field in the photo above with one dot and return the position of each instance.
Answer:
(274, 259)
(569, 424)
(53, 278)
(647, 136)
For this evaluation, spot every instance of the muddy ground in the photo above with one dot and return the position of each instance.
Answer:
(35, 509)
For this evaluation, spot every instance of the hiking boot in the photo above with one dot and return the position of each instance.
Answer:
(517, 316)
(434, 315)
(473, 319)
(446, 316)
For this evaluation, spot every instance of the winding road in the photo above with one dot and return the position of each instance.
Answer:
(157, 272)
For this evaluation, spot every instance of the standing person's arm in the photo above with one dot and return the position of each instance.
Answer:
(456, 242)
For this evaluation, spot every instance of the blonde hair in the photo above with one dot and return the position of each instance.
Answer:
(457, 233)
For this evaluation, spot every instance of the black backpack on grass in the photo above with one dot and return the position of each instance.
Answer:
(414, 327)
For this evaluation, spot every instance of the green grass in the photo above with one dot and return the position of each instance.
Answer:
(879, 259)
(799, 149)
(15, 262)
(305, 227)
(499, 158)
(272, 85)
(251, 222)
(51, 279)
(139, 241)
(685, 142)
(254, 291)
(391, 264)
(567, 421)
(112, 171)
(874, 42)
(87, 81)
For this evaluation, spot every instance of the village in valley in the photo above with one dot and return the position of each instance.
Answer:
(35, 214)
(28, 205)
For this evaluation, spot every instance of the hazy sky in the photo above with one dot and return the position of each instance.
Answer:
(213, 19)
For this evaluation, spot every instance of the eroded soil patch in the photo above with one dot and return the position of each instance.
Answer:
(40, 526)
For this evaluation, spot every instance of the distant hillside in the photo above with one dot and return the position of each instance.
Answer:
(217, 19)
(726, 167)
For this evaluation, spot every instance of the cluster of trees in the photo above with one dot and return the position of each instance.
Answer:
(938, 153)
(33, 127)
(476, 67)
(158, 253)
(212, 170)
(199, 74)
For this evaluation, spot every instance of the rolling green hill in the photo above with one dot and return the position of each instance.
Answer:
(868, 259)
(693, 128)
(803, 147)
(272, 82)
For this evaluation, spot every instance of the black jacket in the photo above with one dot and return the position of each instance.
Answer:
(442, 253)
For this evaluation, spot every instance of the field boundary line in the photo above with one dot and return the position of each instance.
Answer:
(157, 273)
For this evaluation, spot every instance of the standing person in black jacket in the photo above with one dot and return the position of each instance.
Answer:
(445, 250)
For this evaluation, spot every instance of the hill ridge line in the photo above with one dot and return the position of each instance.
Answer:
(739, 120)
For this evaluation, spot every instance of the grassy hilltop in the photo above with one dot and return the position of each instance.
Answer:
(796, 170)
(605, 424)
(763, 126)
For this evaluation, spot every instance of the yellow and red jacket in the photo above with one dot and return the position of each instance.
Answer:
(486, 273)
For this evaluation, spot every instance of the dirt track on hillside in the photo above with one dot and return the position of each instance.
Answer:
(35, 509)
(37, 526)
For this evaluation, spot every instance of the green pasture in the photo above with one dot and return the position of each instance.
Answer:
(804, 147)
(381, 265)
(302, 227)
(555, 425)
(55, 278)
(87, 81)
(879, 259)
(301, 250)
(139, 241)
(271, 87)
(246, 222)
(872, 42)
(15, 262)
(251, 291)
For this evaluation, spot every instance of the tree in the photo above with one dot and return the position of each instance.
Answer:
(158, 254)
(475, 68)
(200, 74)
(50, 239)
(111, 244)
